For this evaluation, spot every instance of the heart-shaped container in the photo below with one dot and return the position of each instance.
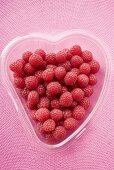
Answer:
(54, 43)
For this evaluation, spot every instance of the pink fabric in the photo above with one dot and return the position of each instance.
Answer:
(95, 149)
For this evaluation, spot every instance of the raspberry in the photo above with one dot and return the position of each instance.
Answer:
(67, 113)
(51, 58)
(78, 112)
(19, 82)
(76, 50)
(77, 94)
(66, 65)
(31, 106)
(51, 66)
(49, 125)
(36, 61)
(56, 114)
(66, 99)
(95, 66)
(49, 138)
(59, 133)
(32, 115)
(42, 114)
(49, 96)
(85, 68)
(68, 53)
(73, 105)
(26, 56)
(22, 62)
(31, 82)
(61, 57)
(43, 66)
(48, 75)
(41, 90)
(70, 78)
(64, 89)
(44, 103)
(16, 67)
(24, 93)
(92, 79)
(21, 74)
(39, 129)
(28, 69)
(87, 56)
(76, 61)
(60, 73)
(33, 97)
(85, 103)
(55, 104)
(41, 53)
(54, 88)
(88, 91)
(82, 80)
(38, 75)
(70, 123)
(75, 70)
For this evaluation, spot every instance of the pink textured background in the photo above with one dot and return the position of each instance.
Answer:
(95, 149)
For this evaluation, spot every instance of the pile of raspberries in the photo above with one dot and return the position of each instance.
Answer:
(56, 88)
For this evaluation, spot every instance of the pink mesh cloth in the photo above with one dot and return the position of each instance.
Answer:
(95, 149)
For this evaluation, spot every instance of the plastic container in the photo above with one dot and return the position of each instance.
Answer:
(53, 43)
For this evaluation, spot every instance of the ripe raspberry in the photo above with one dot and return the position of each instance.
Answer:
(19, 82)
(48, 75)
(41, 53)
(51, 58)
(82, 80)
(66, 65)
(24, 93)
(43, 66)
(16, 67)
(33, 97)
(54, 88)
(77, 94)
(73, 105)
(22, 62)
(95, 66)
(66, 99)
(76, 61)
(85, 68)
(75, 70)
(56, 114)
(31, 82)
(44, 103)
(68, 53)
(67, 113)
(87, 56)
(41, 90)
(59, 133)
(31, 106)
(51, 66)
(38, 75)
(42, 114)
(70, 78)
(64, 89)
(36, 61)
(88, 91)
(49, 125)
(55, 104)
(92, 79)
(76, 50)
(70, 123)
(26, 56)
(60, 73)
(32, 115)
(39, 129)
(85, 103)
(61, 57)
(28, 69)
(78, 112)
(49, 138)
(21, 74)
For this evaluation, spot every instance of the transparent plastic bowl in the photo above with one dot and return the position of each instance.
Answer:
(50, 43)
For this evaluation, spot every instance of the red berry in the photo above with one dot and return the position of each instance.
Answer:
(44, 103)
(77, 94)
(85, 103)
(61, 57)
(24, 93)
(54, 88)
(41, 90)
(49, 96)
(88, 91)
(68, 53)
(41, 53)
(36, 61)
(32, 115)
(85, 68)
(66, 65)
(51, 58)
(28, 69)
(55, 104)
(87, 56)
(51, 66)
(66, 99)
(31, 106)
(73, 105)
(75, 70)
(78, 112)
(31, 82)
(64, 89)
(21, 74)
(49, 125)
(67, 113)
(16, 67)
(56, 114)
(76, 50)
(38, 75)
(95, 66)
(59, 133)
(22, 62)
(43, 66)
(48, 75)
(92, 79)
(76, 61)
(42, 114)
(70, 123)
(26, 56)
(82, 80)
(39, 129)
(33, 97)
(70, 78)
(60, 73)
(19, 82)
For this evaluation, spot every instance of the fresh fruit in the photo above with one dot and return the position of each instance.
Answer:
(66, 99)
